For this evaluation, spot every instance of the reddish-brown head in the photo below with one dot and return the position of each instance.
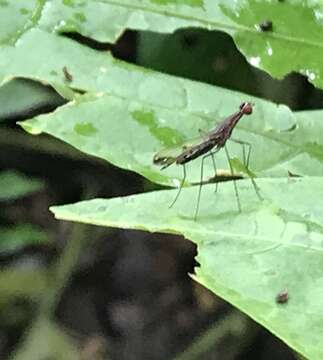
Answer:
(246, 108)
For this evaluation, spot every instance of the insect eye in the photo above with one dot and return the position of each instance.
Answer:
(246, 108)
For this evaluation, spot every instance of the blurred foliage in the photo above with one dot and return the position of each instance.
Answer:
(15, 185)
(21, 235)
(46, 341)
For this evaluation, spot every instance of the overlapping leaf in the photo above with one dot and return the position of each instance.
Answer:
(247, 258)
(129, 132)
(294, 44)
(161, 109)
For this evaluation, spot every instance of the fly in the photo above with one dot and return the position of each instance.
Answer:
(207, 146)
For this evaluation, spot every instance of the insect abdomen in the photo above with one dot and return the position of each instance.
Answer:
(193, 153)
(164, 161)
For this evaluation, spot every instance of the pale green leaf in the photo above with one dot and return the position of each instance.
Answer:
(247, 258)
(128, 133)
(294, 44)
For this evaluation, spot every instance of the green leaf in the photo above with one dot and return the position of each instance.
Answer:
(21, 235)
(16, 17)
(247, 258)
(92, 71)
(162, 110)
(130, 113)
(272, 51)
(128, 133)
(14, 185)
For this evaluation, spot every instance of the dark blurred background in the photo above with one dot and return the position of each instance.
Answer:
(117, 294)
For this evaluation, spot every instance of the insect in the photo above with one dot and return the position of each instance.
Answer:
(282, 297)
(68, 76)
(207, 145)
(266, 25)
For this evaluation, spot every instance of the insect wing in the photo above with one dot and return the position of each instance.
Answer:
(169, 155)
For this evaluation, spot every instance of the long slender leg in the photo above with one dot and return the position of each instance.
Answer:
(200, 189)
(245, 161)
(248, 156)
(180, 188)
(256, 187)
(234, 181)
(214, 167)
(246, 164)
(243, 144)
(211, 153)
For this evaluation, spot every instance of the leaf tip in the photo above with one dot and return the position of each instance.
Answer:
(29, 127)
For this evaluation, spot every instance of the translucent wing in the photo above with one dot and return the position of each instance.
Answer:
(169, 155)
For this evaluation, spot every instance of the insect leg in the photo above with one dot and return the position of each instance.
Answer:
(211, 153)
(180, 187)
(256, 187)
(254, 184)
(248, 156)
(234, 181)
(243, 144)
(200, 188)
(214, 166)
